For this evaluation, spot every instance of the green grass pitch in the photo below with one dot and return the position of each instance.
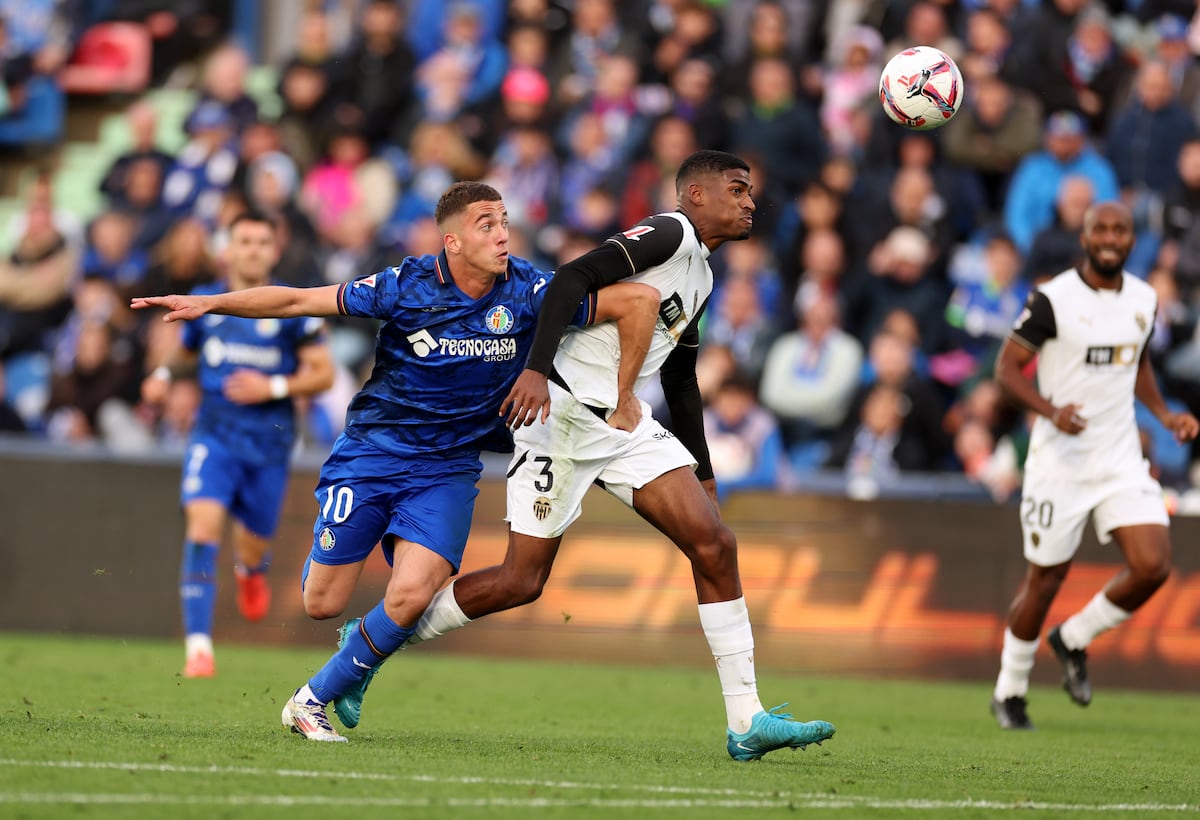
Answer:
(99, 728)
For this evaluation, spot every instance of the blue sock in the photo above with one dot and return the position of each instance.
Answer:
(262, 566)
(377, 637)
(198, 587)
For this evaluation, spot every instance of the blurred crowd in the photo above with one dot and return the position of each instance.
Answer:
(855, 331)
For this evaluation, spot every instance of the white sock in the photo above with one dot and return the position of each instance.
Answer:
(1016, 661)
(727, 627)
(305, 694)
(1100, 615)
(441, 616)
(198, 642)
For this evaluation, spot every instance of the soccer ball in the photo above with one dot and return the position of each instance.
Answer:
(921, 88)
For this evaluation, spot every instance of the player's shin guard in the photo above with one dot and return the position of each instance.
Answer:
(377, 637)
(441, 616)
(1099, 615)
(1016, 661)
(198, 587)
(727, 627)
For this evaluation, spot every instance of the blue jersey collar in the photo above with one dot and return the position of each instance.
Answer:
(441, 266)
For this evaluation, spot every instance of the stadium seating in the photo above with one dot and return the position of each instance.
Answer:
(110, 58)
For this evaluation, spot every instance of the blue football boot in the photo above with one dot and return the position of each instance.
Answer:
(771, 730)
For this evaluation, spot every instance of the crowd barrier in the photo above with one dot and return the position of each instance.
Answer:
(897, 587)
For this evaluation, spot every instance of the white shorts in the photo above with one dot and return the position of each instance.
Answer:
(1053, 512)
(555, 463)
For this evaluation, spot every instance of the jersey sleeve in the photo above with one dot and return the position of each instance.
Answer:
(374, 296)
(1036, 323)
(586, 313)
(650, 242)
(310, 330)
(191, 336)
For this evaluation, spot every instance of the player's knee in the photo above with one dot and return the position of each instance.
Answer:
(203, 535)
(526, 590)
(715, 551)
(1044, 582)
(404, 602)
(1152, 570)
(520, 588)
(320, 606)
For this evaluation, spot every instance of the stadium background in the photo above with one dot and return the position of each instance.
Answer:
(885, 263)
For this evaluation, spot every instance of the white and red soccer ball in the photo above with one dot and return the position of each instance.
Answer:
(921, 88)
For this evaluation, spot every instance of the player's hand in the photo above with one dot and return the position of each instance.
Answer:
(529, 396)
(628, 414)
(1067, 419)
(1183, 425)
(155, 389)
(247, 387)
(180, 308)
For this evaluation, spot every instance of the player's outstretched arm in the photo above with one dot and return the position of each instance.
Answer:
(634, 307)
(1183, 425)
(270, 302)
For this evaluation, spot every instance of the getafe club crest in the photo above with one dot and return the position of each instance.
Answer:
(326, 539)
(499, 320)
(267, 327)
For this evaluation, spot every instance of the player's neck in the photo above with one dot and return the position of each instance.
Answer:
(1098, 281)
(473, 282)
(702, 230)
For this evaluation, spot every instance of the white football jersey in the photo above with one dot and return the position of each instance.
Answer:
(588, 357)
(1089, 345)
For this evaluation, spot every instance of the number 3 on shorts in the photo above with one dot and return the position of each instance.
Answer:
(544, 480)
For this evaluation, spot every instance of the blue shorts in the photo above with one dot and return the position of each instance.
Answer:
(366, 496)
(252, 493)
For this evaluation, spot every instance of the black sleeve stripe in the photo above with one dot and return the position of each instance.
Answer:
(651, 242)
(625, 253)
(1027, 345)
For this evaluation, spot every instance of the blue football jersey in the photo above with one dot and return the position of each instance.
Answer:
(260, 433)
(444, 362)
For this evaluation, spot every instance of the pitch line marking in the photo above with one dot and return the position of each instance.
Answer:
(78, 798)
(732, 798)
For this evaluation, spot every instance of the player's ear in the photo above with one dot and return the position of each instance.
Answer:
(451, 242)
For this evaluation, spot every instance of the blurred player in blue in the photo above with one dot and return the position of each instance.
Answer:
(457, 329)
(236, 463)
